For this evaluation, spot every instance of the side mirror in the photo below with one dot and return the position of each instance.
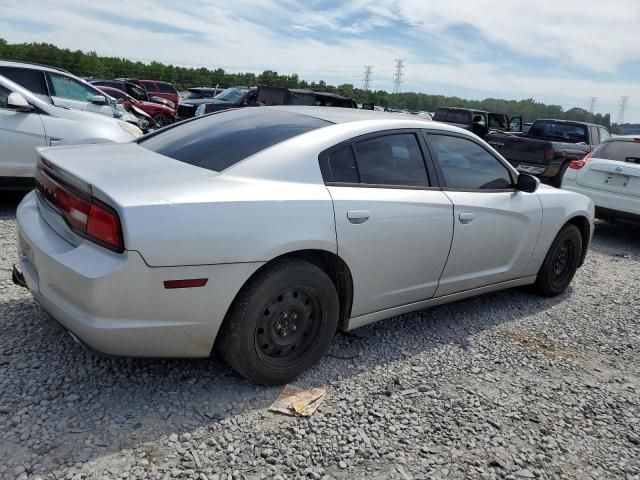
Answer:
(17, 102)
(527, 183)
(515, 125)
(99, 99)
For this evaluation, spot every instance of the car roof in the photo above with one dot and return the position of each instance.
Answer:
(623, 138)
(9, 63)
(344, 115)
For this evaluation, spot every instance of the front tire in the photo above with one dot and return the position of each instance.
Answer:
(281, 323)
(561, 263)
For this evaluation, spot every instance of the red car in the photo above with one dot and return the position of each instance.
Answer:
(161, 89)
(161, 114)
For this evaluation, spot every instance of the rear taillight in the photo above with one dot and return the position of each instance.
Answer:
(578, 164)
(549, 153)
(85, 215)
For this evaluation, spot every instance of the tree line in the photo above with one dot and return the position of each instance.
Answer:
(90, 64)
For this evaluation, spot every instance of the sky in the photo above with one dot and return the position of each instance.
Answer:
(555, 51)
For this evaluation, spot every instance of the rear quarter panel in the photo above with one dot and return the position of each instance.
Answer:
(558, 208)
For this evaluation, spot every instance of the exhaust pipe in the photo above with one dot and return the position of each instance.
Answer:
(17, 277)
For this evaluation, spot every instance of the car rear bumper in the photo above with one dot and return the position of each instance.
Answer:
(115, 303)
(607, 203)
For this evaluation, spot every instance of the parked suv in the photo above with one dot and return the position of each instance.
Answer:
(29, 120)
(161, 89)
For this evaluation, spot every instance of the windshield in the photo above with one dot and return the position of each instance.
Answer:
(217, 141)
(232, 95)
(565, 132)
(621, 150)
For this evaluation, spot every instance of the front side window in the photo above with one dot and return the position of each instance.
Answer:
(148, 86)
(69, 88)
(32, 80)
(391, 160)
(218, 141)
(467, 166)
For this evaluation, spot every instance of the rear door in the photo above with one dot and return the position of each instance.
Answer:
(20, 134)
(495, 226)
(394, 229)
(613, 167)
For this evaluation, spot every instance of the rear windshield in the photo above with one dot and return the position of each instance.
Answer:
(452, 116)
(624, 151)
(564, 132)
(217, 141)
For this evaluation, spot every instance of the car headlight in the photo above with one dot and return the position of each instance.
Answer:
(201, 110)
(130, 129)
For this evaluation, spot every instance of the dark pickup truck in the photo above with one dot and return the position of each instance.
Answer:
(477, 121)
(548, 147)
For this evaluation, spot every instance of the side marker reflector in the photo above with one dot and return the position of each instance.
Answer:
(186, 283)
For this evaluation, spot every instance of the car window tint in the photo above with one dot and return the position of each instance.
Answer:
(452, 116)
(621, 150)
(166, 88)
(391, 160)
(341, 166)
(223, 139)
(148, 86)
(604, 134)
(32, 80)
(4, 95)
(466, 165)
(69, 88)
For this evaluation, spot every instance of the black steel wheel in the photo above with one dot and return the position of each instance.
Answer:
(561, 262)
(281, 323)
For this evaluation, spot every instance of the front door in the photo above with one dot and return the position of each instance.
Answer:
(495, 226)
(393, 230)
(20, 134)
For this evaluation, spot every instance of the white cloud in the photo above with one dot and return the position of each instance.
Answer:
(247, 35)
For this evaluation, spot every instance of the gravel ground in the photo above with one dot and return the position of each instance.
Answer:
(507, 385)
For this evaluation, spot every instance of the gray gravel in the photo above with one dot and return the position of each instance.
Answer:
(507, 385)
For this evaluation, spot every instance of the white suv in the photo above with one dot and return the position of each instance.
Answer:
(28, 121)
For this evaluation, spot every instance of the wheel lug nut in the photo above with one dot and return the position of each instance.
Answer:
(283, 333)
(293, 327)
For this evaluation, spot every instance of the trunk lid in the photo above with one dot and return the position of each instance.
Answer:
(611, 176)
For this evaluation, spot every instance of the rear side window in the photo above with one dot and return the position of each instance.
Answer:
(341, 166)
(604, 134)
(623, 151)
(221, 140)
(391, 160)
(467, 166)
(32, 80)
(166, 88)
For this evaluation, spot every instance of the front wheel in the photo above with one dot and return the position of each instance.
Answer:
(561, 262)
(162, 120)
(281, 323)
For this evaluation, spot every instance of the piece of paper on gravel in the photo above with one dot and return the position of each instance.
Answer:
(297, 401)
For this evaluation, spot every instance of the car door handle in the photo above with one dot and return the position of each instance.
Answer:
(466, 217)
(358, 216)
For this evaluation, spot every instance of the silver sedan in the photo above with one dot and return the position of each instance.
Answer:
(266, 229)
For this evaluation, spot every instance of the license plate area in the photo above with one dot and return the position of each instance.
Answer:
(615, 180)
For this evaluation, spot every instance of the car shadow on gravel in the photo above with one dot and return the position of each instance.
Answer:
(8, 203)
(61, 405)
(617, 239)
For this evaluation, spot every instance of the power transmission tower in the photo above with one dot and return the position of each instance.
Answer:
(624, 103)
(367, 76)
(397, 76)
(592, 104)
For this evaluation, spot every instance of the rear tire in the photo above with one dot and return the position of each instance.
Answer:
(281, 323)
(561, 263)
